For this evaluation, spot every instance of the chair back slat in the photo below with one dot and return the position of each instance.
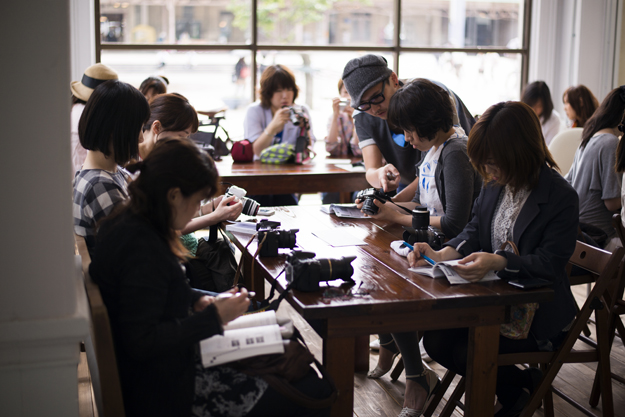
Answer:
(590, 258)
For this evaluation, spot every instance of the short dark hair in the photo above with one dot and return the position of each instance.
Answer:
(173, 163)
(274, 78)
(538, 91)
(583, 101)
(157, 84)
(422, 107)
(608, 115)
(174, 112)
(114, 114)
(509, 133)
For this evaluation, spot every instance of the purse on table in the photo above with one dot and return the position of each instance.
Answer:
(521, 315)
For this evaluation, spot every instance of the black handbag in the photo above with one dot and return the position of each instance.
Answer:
(214, 265)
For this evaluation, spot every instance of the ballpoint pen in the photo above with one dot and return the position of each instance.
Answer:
(427, 259)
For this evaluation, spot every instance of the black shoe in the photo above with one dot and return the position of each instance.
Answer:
(535, 375)
(515, 409)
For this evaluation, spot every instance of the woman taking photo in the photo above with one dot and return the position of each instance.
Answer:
(527, 202)
(110, 129)
(579, 104)
(268, 122)
(538, 97)
(592, 173)
(157, 320)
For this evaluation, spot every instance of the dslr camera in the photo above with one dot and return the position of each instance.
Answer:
(368, 196)
(250, 207)
(305, 271)
(421, 231)
(274, 238)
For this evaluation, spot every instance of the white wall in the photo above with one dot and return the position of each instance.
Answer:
(82, 41)
(42, 316)
(573, 42)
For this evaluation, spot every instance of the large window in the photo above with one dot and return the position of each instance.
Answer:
(207, 48)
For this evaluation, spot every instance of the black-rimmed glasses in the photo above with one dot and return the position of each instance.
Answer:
(376, 99)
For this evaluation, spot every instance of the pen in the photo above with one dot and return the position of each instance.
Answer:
(250, 294)
(427, 259)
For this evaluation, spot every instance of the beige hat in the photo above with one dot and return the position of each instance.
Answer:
(93, 77)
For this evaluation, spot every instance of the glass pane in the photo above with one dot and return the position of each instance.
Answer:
(480, 80)
(461, 23)
(210, 80)
(317, 75)
(175, 21)
(325, 22)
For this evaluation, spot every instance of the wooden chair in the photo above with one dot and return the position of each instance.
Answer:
(609, 269)
(100, 348)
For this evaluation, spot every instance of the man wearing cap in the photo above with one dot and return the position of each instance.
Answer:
(371, 84)
(81, 91)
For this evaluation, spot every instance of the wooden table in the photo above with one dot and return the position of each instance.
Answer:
(396, 300)
(320, 175)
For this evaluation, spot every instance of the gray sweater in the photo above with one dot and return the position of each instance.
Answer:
(458, 185)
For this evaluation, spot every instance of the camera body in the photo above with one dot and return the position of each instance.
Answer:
(421, 231)
(343, 104)
(368, 196)
(296, 115)
(305, 271)
(250, 207)
(274, 238)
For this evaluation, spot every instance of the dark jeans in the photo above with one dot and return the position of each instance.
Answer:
(275, 200)
(274, 404)
(408, 345)
(449, 348)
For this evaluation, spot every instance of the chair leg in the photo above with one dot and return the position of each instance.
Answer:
(548, 399)
(399, 368)
(454, 399)
(436, 399)
(603, 368)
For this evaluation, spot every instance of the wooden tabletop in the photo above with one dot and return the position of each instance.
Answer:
(386, 298)
(319, 175)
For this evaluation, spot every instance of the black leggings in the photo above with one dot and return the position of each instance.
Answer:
(449, 348)
(274, 404)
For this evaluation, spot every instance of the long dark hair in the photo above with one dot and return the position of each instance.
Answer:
(174, 163)
(114, 114)
(509, 133)
(535, 92)
(608, 115)
(583, 102)
(174, 112)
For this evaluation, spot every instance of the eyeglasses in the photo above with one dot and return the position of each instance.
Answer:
(376, 99)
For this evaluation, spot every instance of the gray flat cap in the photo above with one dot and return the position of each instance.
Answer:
(360, 74)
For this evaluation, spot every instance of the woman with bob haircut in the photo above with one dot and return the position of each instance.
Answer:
(110, 129)
(267, 122)
(448, 185)
(538, 97)
(173, 117)
(579, 104)
(156, 318)
(527, 202)
(153, 86)
(592, 173)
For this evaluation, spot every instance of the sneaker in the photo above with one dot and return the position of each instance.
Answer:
(375, 345)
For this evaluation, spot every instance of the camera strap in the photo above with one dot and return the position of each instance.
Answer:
(407, 210)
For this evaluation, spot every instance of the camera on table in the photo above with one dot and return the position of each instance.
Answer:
(421, 231)
(368, 196)
(273, 238)
(305, 271)
(296, 115)
(250, 207)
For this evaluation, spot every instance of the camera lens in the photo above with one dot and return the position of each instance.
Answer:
(250, 207)
(286, 238)
(332, 269)
(293, 116)
(420, 218)
(369, 207)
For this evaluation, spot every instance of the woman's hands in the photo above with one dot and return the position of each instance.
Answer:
(232, 307)
(223, 211)
(415, 257)
(475, 266)
(335, 106)
(388, 177)
(202, 303)
(279, 120)
(385, 211)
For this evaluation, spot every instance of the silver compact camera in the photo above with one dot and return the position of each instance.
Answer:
(343, 104)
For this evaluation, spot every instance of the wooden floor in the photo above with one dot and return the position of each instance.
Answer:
(381, 397)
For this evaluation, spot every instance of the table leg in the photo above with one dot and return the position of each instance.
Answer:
(345, 197)
(338, 358)
(258, 283)
(361, 363)
(481, 371)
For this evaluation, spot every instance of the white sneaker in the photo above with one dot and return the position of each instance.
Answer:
(424, 355)
(375, 345)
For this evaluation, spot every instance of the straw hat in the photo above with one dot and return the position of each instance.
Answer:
(93, 77)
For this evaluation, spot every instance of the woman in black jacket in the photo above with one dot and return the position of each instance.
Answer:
(528, 203)
(157, 319)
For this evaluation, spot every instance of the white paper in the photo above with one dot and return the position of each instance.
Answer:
(241, 343)
(345, 211)
(349, 167)
(443, 269)
(242, 227)
(339, 236)
(265, 318)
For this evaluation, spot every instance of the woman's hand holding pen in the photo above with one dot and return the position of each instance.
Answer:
(415, 258)
(229, 308)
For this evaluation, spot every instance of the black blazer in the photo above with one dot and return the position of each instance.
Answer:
(545, 233)
(148, 299)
